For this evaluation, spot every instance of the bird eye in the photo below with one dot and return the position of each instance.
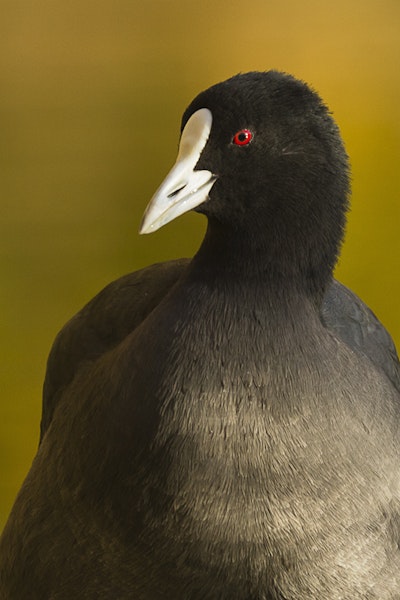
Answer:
(242, 137)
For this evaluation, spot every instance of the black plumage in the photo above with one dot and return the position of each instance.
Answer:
(227, 426)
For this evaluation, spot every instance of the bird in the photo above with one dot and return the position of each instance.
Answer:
(225, 426)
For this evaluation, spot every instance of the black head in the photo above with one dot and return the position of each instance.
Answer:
(280, 167)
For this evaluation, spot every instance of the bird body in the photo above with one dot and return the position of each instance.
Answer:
(208, 431)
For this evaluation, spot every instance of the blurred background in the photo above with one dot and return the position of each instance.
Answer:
(91, 95)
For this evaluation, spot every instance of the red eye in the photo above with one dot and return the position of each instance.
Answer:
(242, 137)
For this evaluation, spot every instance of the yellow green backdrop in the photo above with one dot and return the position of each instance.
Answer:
(90, 101)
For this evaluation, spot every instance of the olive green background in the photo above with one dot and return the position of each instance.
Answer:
(91, 94)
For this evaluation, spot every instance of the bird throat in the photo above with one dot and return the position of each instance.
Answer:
(269, 267)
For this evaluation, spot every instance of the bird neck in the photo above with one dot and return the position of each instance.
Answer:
(263, 261)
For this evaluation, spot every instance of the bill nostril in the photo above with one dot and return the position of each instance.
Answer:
(176, 191)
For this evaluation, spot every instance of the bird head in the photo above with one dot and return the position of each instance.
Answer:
(261, 156)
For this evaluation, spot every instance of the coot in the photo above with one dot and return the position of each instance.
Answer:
(225, 427)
